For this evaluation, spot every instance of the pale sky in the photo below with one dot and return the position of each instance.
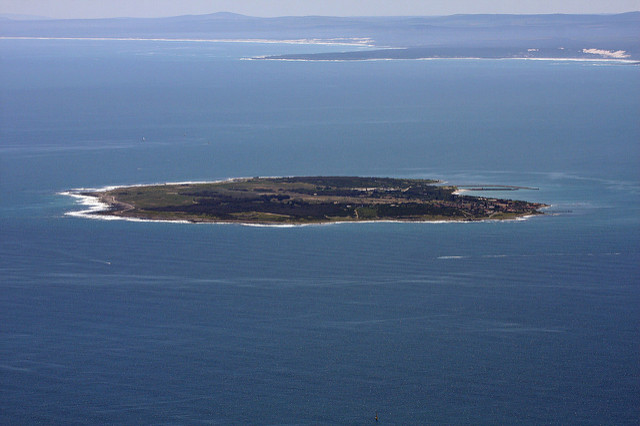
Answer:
(159, 8)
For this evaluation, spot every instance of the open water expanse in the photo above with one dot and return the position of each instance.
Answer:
(115, 322)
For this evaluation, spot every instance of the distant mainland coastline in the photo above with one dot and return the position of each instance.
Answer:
(305, 200)
(417, 53)
(593, 37)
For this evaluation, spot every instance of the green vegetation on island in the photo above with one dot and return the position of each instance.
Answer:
(306, 200)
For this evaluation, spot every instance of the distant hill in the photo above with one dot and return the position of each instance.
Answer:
(577, 32)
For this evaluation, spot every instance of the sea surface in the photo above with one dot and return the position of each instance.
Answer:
(113, 322)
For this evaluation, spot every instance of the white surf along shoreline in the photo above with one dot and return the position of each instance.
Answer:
(94, 207)
(470, 58)
(606, 56)
(346, 41)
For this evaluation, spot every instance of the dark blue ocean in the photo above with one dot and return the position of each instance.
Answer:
(115, 322)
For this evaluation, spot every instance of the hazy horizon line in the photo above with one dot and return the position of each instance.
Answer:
(29, 17)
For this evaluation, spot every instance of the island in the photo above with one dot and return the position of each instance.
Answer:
(309, 200)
